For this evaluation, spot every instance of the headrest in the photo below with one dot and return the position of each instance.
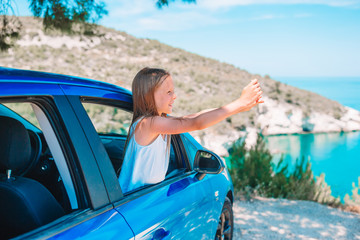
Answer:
(15, 148)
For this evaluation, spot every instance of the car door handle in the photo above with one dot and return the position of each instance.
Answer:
(161, 234)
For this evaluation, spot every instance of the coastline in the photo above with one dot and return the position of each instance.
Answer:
(283, 118)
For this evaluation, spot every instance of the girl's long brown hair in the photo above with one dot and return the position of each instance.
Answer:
(143, 88)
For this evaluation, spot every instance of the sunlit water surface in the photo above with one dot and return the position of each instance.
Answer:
(335, 154)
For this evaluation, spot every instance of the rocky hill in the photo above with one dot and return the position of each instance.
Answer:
(115, 57)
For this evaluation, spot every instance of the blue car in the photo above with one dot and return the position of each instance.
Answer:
(61, 149)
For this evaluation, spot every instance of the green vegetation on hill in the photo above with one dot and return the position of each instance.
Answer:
(353, 201)
(253, 172)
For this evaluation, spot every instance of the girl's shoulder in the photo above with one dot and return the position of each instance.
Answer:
(143, 130)
(151, 118)
(146, 121)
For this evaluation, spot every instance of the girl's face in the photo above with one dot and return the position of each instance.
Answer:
(165, 96)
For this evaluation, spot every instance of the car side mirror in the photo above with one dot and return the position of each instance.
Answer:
(207, 162)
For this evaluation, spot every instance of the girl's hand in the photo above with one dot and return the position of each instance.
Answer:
(251, 95)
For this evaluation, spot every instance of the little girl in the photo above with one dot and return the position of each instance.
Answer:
(147, 150)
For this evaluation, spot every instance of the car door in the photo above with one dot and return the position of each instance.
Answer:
(90, 213)
(220, 184)
(180, 207)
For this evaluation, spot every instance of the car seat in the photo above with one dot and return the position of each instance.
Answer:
(25, 204)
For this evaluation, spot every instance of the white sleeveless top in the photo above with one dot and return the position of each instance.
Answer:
(143, 164)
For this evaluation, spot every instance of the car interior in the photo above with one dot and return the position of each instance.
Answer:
(31, 188)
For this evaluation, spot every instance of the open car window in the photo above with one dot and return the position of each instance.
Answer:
(112, 124)
(108, 120)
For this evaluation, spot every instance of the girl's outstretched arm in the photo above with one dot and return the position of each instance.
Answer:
(197, 114)
(250, 97)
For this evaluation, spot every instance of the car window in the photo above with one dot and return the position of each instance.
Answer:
(108, 120)
(112, 124)
(50, 191)
(25, 111)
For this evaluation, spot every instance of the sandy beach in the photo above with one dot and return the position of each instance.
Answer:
(263, 218)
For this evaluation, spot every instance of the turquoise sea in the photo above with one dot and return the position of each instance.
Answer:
(345, 90)
(335, 154)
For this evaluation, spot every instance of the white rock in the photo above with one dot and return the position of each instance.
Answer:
(251, 137)
(284, 118)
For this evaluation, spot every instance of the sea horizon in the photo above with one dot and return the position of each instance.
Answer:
(344, 90)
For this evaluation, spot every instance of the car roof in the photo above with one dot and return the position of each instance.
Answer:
(29, 76)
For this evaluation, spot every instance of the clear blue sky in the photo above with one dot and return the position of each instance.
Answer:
(275, 37)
